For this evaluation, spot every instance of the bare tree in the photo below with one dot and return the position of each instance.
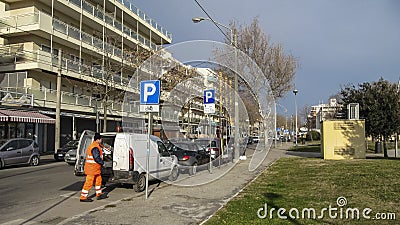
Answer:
(304, 112)
(278, 67)
(108, 88)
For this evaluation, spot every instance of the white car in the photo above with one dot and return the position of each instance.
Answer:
(128, 158)
(70, 157)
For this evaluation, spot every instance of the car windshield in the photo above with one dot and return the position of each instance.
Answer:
(175, 147)
(206, 143)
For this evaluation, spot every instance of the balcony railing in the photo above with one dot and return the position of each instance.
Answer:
(44, 97)
(91, 9)
(19, 55)
(129, 5)
(18, 21)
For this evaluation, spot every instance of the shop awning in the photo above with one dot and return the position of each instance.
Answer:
(25, 116)
(3, 117)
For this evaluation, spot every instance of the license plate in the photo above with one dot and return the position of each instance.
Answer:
(72, 158)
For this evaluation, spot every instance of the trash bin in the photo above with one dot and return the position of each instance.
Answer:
(378, 147)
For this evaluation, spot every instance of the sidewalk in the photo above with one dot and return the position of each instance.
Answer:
(177, 204)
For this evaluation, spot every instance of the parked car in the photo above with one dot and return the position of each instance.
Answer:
(60, 153)
(19, 151)
(212, 146)
(190, 155)
(70, 157)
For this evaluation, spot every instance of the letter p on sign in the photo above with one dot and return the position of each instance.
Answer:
(149, 89)
(149, 92)
(208, 97)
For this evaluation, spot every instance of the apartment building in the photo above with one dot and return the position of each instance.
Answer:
(322, 112)
(100, 43)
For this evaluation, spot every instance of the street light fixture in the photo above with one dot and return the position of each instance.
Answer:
(295, 91)
(233, 41)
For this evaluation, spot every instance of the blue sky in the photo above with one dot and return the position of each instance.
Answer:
(337, 42)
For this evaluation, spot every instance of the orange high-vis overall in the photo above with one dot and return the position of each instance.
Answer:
(92, 171)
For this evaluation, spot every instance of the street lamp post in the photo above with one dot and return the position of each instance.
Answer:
(295, 91)
(233, 41)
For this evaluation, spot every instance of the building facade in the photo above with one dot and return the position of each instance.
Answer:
(323, 112)
(94, 45)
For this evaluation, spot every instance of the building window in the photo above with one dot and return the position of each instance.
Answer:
(3, 134)
(20, 130)
(30, 130)
(46, 48)
(11, 130)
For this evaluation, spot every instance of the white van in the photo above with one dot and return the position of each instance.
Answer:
(127, 161)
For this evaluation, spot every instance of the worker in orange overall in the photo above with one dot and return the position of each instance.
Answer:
(94, 162)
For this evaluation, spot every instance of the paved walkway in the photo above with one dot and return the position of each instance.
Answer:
(179, 204)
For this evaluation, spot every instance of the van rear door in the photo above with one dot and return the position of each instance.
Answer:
(121, 152)
(84, 142)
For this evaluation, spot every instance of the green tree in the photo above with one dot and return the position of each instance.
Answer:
(379, 106)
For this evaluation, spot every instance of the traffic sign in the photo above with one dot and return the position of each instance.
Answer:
(209, 97)
(150, 92)
(149, 96)
(209, 108)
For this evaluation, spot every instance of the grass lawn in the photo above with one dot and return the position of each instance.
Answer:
(315, 183)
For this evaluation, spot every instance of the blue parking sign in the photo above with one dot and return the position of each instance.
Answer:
(209, 97)
(150, 92)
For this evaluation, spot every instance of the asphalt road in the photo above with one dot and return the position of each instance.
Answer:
(48, 193)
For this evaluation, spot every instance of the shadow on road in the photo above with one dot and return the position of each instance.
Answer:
(48, 209)
(305, 154)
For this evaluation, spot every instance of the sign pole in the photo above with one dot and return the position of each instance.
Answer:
(148, 154)
(209, 108)
(149, 102)
(211, 165)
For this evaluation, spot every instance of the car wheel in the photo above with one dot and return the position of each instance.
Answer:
(174, 174)
(1, 164)
(193, 169)
(141, 183)
(34, 161)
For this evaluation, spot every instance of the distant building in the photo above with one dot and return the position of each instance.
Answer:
(323, 112)
(98, 40)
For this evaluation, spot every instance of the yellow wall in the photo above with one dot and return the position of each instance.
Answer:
(343, 139)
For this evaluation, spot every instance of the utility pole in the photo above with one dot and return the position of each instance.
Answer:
(221, 133)
(58, 104)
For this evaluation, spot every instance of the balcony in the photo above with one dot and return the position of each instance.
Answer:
(19, 23)
(95, 12)
(88, 7)
(17, 55)
(47, 98)
(129, 5)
